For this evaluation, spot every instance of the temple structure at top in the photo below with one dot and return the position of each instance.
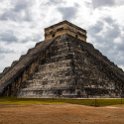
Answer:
(65, 27)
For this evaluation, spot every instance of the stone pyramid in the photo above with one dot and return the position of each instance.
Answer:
(62, 66)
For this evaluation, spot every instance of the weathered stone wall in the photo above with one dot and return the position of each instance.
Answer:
(74, 69)
(64, 67)
(17, 74)
(65, 28)
(53, 76)
(102, 78)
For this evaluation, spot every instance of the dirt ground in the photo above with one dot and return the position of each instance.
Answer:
(60, 114)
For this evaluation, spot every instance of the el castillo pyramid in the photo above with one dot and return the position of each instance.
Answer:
(63, 65)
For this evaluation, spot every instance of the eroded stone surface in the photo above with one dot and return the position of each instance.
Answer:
(67, 67)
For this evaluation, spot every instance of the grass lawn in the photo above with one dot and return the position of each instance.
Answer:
(89, 102)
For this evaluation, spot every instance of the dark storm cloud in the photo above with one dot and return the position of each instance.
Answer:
(53, 2)
(112, 30)
(9, 15)
(68, 13)
(105, 40)
(8, 37)
(14, 13)
(101, 3)
(121, 46)
(21, 5)
(34, 38)
(5, 51)
(1, 56)
(97, 27)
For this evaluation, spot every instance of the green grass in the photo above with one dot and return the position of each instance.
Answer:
(88, 102)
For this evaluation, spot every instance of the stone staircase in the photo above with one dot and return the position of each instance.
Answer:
(54, 77)
(48, 80)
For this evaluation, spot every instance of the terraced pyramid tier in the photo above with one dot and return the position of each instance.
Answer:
(65, 67)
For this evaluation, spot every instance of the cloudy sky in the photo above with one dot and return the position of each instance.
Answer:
(22, 24)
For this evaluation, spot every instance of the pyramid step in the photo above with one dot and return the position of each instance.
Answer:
(58, 78)
(44, 93)
(55, 74)
(55, 64)
(60, 57)
(60, 51)
(51, 81)
(60, 46)
(47, 87)
(53, 70)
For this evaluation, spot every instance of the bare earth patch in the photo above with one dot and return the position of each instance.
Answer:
(60, 114)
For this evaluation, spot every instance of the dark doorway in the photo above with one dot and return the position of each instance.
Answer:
(78, 93)
(76, 36)
(53, 35)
